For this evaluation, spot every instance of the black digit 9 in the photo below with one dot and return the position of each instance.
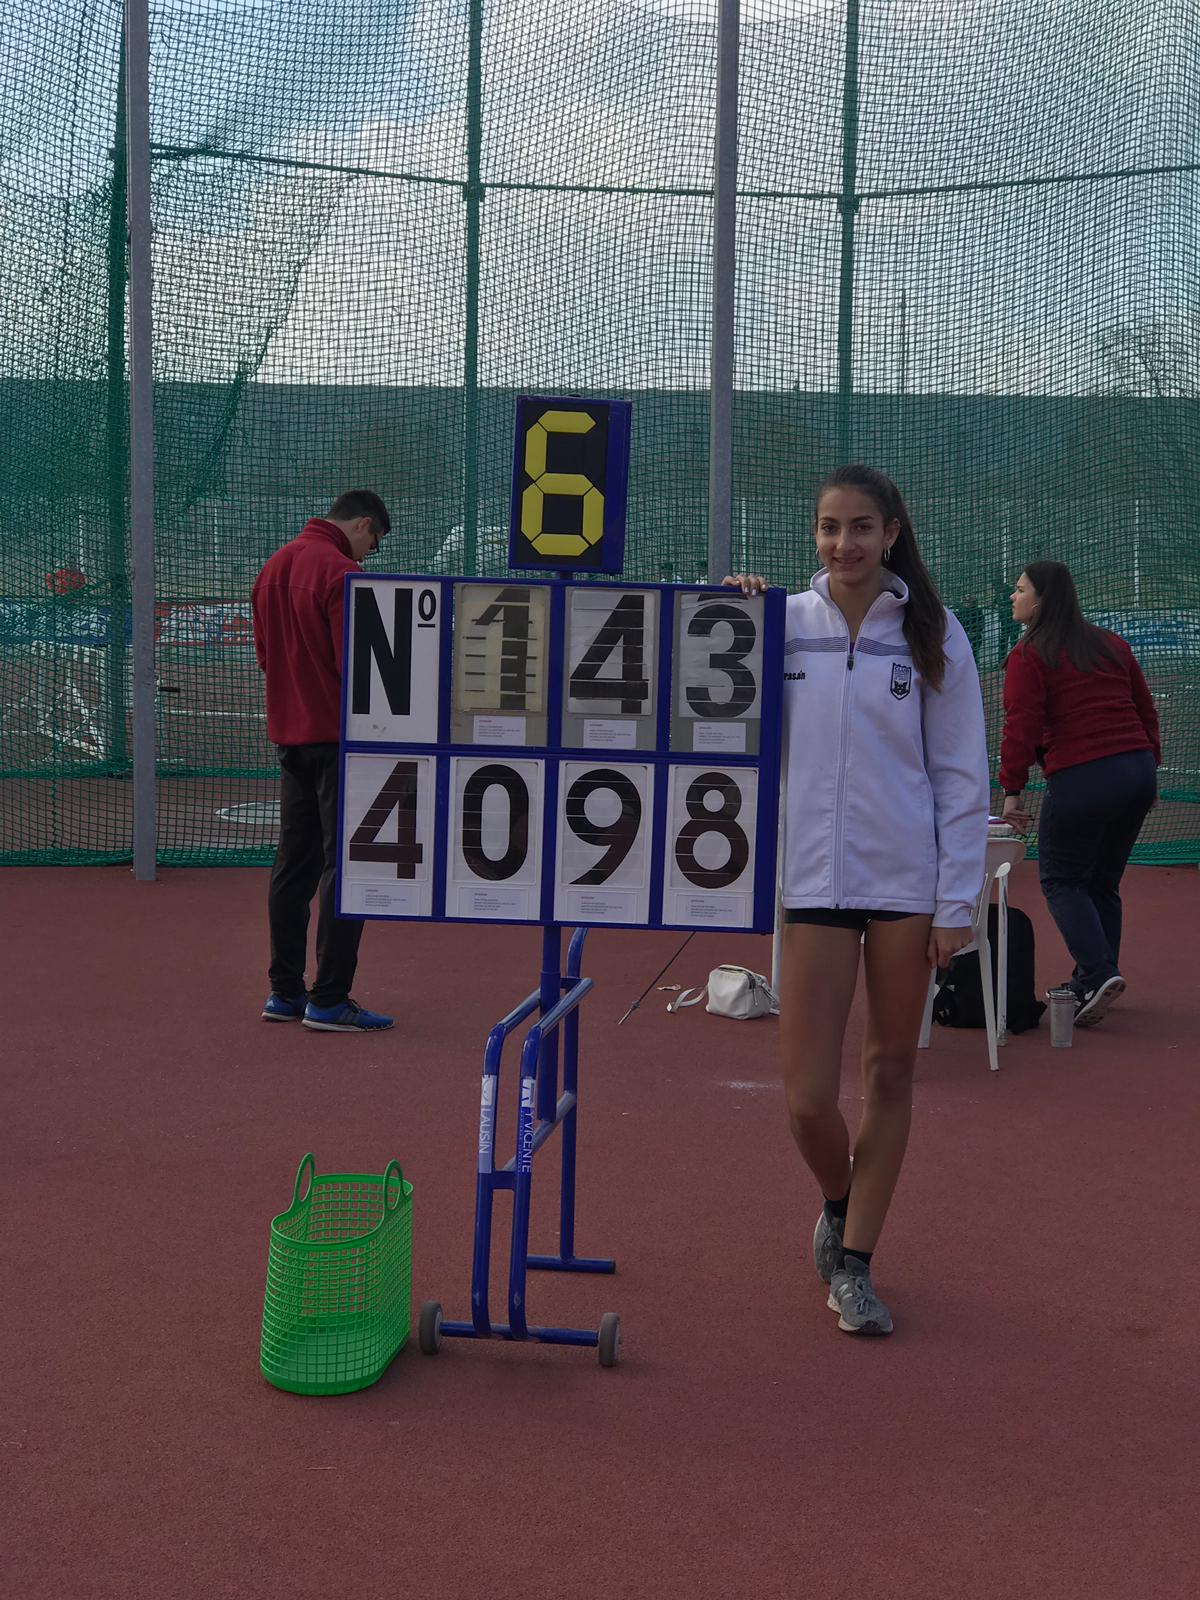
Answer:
(705, 619)
(702, 821)
(476, 787)
(615, 838)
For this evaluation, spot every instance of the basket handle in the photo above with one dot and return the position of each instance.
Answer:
(399, 1185)
(309, 1165)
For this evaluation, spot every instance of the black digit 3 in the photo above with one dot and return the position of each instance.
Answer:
(723, 822)
(616, 838)
(745, 635)
(476, 786)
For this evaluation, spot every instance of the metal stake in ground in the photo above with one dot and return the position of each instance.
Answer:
(658, 975)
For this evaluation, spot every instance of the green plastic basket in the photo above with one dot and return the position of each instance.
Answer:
(339, 1281)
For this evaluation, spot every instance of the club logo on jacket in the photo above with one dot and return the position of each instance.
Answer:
(901, 679)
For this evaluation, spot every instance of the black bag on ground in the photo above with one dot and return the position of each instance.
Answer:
(959, 999)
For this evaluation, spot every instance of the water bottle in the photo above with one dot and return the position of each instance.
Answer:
(1062, 1017)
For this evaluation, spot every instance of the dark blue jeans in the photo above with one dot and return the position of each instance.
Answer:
(1090, 820)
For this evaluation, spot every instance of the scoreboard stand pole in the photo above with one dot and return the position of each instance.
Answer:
(542, 1111)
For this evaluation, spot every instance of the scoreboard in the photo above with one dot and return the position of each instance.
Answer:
(560, 752)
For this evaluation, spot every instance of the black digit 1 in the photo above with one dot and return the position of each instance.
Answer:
(476, 786)
(704, 620)
(723, 822)
(399, 794)
(393, 656)
(511, 607)
(616, 838)
(625, 625)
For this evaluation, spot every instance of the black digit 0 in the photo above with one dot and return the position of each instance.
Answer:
(745, 634)
(511, 608)
(723, 822)
(616, 838)
(399, 794)
(625, 625)
(426, 608)
(477, 785)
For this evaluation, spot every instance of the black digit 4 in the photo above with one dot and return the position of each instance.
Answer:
(722, 822)
(399, 794)
(625, 626)
(616, 838)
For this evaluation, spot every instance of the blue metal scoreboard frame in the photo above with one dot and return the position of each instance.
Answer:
(407, 688)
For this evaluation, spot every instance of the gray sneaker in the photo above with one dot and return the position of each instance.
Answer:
(827, 1245)
(852, 1294)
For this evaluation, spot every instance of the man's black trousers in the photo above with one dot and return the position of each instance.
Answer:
(304, 863)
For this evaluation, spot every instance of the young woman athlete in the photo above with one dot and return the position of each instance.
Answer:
(1075, 699)
(883, 847)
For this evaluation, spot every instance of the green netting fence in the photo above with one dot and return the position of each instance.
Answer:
(967, 253)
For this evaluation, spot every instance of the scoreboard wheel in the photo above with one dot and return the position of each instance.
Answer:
(609, 1341)
(429, 1329)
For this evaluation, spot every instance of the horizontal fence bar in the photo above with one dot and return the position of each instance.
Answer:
(164, 152)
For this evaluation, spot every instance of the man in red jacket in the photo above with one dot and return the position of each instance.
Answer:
(298, 604)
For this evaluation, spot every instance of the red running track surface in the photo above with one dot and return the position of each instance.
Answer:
(1031, 1429)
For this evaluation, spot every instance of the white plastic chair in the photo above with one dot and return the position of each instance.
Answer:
(1002, 855)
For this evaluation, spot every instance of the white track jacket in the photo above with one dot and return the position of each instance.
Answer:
(886, 781)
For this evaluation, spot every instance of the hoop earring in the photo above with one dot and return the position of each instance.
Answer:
(887, 554)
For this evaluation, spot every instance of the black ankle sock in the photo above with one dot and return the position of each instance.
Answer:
(835, 1210)
(858, 1255)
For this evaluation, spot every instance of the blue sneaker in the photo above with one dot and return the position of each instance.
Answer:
(347, 1018)
(280, 1009)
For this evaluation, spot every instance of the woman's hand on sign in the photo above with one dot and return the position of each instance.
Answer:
(945, 943)
(747, 582)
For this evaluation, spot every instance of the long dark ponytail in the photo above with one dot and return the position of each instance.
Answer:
(925, 615)
(1060, 625)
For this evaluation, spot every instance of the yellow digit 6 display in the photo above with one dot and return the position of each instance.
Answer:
(570, 484)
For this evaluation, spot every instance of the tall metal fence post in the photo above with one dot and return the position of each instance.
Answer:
(848, 204)
(724, 295)
(141, 436)
(473, 195)
(116, 430)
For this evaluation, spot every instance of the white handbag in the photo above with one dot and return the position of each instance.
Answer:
(731, 992)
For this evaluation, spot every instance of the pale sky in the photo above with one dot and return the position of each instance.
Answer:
(313, 278)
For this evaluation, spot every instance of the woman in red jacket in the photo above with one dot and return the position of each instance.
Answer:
(1075, 699)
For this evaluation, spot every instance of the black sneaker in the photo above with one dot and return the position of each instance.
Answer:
(1095, 1002)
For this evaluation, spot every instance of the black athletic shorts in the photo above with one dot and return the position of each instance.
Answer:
(828, 917)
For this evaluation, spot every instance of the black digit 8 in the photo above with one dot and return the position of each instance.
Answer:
(617, 838)
(702, 821)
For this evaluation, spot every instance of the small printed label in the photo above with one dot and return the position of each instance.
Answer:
(499, 730)
(601, 733)
(616, 906)
(715, 910)
(498, 904)
(717, 738)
